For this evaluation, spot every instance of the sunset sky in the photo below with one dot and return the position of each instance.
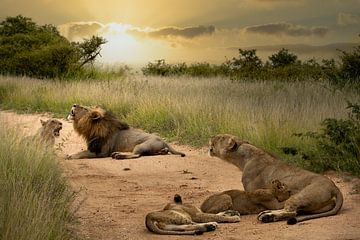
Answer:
(139, 31)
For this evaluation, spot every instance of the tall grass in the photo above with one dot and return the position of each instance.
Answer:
(34, 197)
(190, 110)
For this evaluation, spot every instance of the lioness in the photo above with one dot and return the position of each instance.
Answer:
(49, 130)
(185, 219)
(312, 195)
(107, 136)
(247, 202)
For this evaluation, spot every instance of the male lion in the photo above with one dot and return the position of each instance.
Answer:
(49, 130)
(107, 136)
(247, 202)
(312, 195)
(185, 219)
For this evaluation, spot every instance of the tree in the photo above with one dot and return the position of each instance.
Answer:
(40, 51)
(350, 64)
(247, 60)
(282, 58)
(90, 49)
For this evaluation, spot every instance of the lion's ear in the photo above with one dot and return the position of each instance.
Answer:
(96, 115)
(42, 122)
(232, 144)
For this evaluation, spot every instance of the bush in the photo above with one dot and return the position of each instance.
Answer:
(161, 68)
(282, 58)
(248, 61)
(40, 51)
(338, 143)
(350, 67)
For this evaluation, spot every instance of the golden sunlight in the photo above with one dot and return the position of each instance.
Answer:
(121, 46)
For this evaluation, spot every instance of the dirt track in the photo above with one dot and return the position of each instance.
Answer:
(115, 195)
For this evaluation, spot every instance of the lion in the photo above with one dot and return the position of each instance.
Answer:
(247, 202)
(49, 130)
(185, 219)
(107, 136)
(312, 195)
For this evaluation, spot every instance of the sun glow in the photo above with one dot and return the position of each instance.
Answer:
(120, 45)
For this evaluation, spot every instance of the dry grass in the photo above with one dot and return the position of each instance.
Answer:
(34, 197)
(191, 110)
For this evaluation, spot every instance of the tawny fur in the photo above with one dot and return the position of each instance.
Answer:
(247, 202)
(313, 195)
(108, 136)
(49, 130)
(185, 219)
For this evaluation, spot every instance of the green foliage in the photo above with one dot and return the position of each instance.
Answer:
(34, 197)
(282, 58)
(247, 61)
(338, 143)
(191, 110)
(283, 66)
(40, 51)
(161, 68)
(349, 73)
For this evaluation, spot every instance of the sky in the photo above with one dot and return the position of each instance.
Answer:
(139, 31)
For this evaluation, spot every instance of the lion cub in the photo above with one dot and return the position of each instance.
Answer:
(248, 202)
(185, 219)
(49, 130)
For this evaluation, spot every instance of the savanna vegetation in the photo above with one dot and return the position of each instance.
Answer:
(34, 196)
(190, 110)
(29, 49)
(305, 111)
(282, 66)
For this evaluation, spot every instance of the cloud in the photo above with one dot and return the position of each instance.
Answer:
(76, 31)
(346, 19)
(169, 32)
(288, 29)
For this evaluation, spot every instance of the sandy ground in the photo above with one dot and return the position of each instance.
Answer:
(115, 195)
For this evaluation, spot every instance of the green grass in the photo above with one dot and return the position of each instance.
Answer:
(34, 197)
(191, 110)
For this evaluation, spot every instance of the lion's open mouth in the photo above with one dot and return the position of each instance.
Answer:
(71, 116)
(56, 131)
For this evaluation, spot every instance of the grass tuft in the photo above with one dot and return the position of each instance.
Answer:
(34, 197)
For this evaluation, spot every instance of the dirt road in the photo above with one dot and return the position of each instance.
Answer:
(115, 195)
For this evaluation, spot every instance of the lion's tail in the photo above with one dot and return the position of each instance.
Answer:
(152, 226)
(173, 151)
(334, 211)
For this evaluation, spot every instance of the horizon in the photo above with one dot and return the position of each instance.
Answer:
(141, 31)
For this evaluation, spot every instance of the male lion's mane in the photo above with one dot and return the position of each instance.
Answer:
(96, 126)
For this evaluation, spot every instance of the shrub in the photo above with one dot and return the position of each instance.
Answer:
(40, 51)
(282, 58)
(338, 143)
(350, 67)
(248, 60)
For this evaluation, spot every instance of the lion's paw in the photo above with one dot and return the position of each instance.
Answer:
(230, 213)
(211, 226)
(266, 216)
(117, 155)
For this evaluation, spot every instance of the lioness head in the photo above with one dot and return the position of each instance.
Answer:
(52, 126)
(224, 145)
